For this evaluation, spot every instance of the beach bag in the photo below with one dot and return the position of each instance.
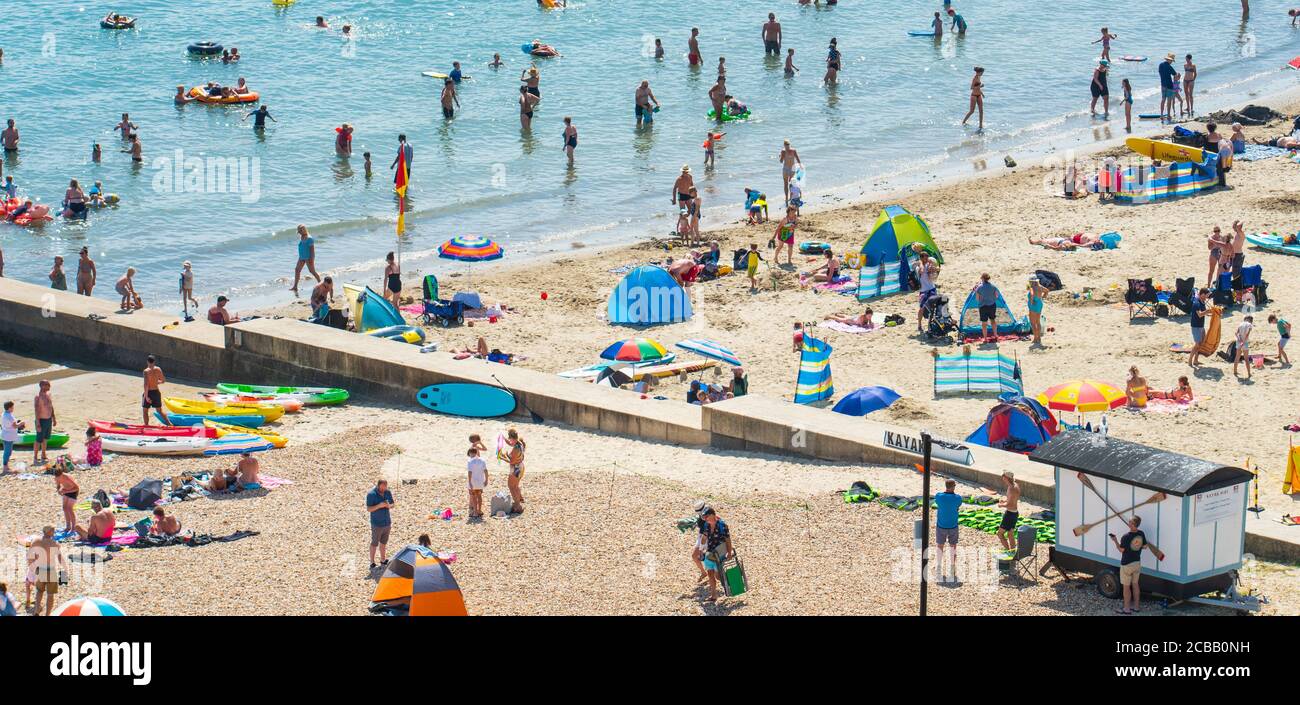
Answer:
(102, 497)
(145, 494)
(1229, 353)
(1110, 240)
(740, 259)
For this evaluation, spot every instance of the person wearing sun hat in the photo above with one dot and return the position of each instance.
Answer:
(682, 187)
(1167, 72)
(1100, 88)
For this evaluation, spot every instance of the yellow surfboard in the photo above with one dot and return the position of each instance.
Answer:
(1165, 151)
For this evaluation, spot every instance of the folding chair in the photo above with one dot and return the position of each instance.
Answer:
(1141, 298)
(1026, 541)
(1184, 292)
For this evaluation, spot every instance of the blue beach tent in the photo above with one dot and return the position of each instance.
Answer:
(1008, 323)
(648, 296)
(1016, 423)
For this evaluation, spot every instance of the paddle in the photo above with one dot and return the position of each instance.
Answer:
(537, 418)
(1085, 528)
(1087, 482)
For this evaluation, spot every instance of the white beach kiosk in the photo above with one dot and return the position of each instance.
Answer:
(1191, 509)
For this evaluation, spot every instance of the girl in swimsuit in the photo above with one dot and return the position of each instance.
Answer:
(393, 280)
(1128, 104)
(785, 235)
(976, 96)
(1216, 243)
(515, 456)
(1035, 295)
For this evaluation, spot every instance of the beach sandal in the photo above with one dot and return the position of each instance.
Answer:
(1121, 610)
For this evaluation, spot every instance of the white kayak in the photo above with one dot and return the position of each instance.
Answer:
(155, 445)
(591, 371)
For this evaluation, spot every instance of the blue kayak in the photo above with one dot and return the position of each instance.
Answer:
(247, 421)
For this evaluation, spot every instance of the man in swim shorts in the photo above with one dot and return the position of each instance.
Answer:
(789, 158)
(9, 137)
(644, 109)
(101, 525)
(772, 36)
(259, 117)
(693, 45)
(986, 295)
(153, 379)
(45, 560)
(43, 405)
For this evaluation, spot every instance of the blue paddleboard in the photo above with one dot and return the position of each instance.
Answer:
(480, 401)
(1149, 116)
(919, 33)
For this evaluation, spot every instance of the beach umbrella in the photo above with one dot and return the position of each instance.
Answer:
(613, 376)
(635, 350)
(470, 248)
(417, 577)
(861, 402)
(1082, 396)
(710, 349)
(89, 607)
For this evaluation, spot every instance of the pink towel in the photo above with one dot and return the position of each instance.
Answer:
(417, 309)
(271, 483)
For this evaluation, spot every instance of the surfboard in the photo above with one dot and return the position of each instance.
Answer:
(1149, 116)
(1133, 58)
(919, 33)
(434, 74)
(1272, 243)
(596, 369)
(1165, 151)
(480, 401)
(659, 371)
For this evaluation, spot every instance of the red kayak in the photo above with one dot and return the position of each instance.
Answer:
(124, 429)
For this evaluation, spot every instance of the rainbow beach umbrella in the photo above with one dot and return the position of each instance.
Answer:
(89, 607)
(470, 248)
(1082, 396)
(635, 350)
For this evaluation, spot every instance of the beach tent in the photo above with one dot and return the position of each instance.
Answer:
(369, 310)
(419, 582)
(976, 373)
(1017, 423)
(648, 296)
(1007, 322)
(887, 255)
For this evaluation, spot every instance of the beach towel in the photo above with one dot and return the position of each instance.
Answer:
(413, 309)
(1168, 406)
(1256, 152)
(846, 328)
(1001, 338)
(270, 483)
(494, 311)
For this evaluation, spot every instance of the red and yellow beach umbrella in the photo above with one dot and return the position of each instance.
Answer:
(1082, 395)
(635, 350)
(417, 580)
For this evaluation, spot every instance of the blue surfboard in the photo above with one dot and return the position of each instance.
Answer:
(480, 401)
(920, 33)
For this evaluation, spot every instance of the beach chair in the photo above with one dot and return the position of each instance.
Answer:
(437, 311)
(1026, 556)
(1184, 292)
(1141, 298)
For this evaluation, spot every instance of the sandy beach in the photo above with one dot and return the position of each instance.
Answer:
(980, 225)
(598, 535)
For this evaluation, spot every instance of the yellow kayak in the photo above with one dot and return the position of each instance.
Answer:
(222, 429)
(269, 411)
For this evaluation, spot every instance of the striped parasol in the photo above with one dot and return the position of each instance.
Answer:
(89, 607)
(1082, 395)
(635, 350)
(470, 248)
(421, 581)
(710, 349)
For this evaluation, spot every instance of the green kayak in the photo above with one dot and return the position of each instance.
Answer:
(28, 439)
(310, 396)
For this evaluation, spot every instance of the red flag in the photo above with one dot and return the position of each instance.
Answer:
(399, 185)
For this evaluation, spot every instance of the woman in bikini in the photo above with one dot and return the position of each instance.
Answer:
(829, 269)
(515, 456)
(527, 101)
(68, 490)
(1136, 389)
(1182, 393)
(862, 320)
(1189, 81)
(976, 96)
(1217, 244)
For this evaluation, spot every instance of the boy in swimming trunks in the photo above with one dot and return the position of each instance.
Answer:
(790, 68)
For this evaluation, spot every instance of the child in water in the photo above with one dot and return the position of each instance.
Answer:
(790, 68)
(368, 172)
(659, 49)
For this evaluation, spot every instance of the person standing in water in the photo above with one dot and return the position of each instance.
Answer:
(976, 96)
(9, 137)
(527, 103)
(1106, 36)
(789, 160)
(570, 138)
(1100, 88)
(718, 96)
(532, 80)
(343, 141)
(832, 63)
(85, 273)
(1189, 82)
(693, 54)
(771, 36)
(259, 117)
(1128, 104)
(126, 126)
(58, 280)
(644, 110)
(790, 68)
(937, 25)
(449, 100)
(958, 22)
(306, 257)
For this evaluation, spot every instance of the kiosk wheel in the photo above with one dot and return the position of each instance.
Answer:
(1108, 584)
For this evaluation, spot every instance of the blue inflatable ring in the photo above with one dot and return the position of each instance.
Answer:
(205, 48)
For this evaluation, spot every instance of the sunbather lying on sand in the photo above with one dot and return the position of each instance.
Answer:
(862, 320)
(1291, 141)
(1182, 393)
(1065, 243)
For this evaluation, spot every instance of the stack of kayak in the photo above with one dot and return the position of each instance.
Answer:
(177, 440)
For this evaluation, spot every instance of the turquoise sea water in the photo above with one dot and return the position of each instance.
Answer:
(895, 111)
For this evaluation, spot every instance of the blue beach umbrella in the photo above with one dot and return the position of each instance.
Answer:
(710, 349)
(861, 402)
